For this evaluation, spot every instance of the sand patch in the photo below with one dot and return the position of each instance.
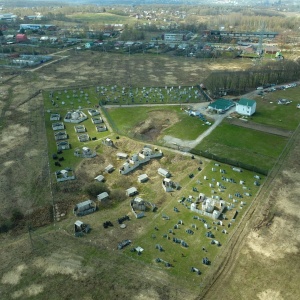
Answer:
(12, 136)
(276, 243)
(269, 295)
(13, 277)
(32, 152)
(147, 295)
(8, 163)
(32, 290)
(61, 263)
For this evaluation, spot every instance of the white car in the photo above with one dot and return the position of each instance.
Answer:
(298, 105)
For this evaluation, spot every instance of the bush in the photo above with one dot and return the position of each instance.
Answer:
(16, 216)
(118, 195)
(5, 225)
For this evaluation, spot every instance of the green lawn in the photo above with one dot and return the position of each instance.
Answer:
(245, 145)
(284, 116)
(187, 127)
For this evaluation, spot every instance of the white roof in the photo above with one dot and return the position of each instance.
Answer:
(131, 190)
(99, 177)
(122, 154)
(143, 176)
(102, 196)
(78, 223)
(138, 199)
(109, 167)
(139, 249)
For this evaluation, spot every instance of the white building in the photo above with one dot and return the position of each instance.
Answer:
(246, 107)
(173, 38)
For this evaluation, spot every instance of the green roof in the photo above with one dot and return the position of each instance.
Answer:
(221, 104)
(246, 102)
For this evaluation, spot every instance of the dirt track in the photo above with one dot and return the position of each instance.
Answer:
(261, 127)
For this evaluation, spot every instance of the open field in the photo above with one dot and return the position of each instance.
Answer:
(245, 145)
(61, 263)
(154, 122)
(269, 112)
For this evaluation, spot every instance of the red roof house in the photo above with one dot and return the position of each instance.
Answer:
(21, 38)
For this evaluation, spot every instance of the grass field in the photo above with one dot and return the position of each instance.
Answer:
(245, 145)
(283, 116)
(177, 123)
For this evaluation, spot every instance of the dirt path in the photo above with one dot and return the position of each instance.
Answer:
(261, 127)
(191, 144)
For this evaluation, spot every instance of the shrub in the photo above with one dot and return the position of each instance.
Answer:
(118, 195)
(16, 216)
(5, 225)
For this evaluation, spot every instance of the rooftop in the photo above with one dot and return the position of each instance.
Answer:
(246, 102)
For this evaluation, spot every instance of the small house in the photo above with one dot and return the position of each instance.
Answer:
(122, 155)
(103, 196)
(58, 126)
(131, 191)
(60, 135)
(63, 175)
(97, 120)
(84, 208)
(138, 204)
(79, 128)
(62, 145)
(21, 38)
(100, 178)
(143, 178)
(93, 112)
(54, 117)
(84, 137)
(101, 128)
(108, 142)
(80, 228)
(169, 186)
(75, 116)
(109, 169)
(163, 172)
(246, 107)
(220, 105)
(86, 151)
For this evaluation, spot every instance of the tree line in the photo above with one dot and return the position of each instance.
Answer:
(238, 82)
